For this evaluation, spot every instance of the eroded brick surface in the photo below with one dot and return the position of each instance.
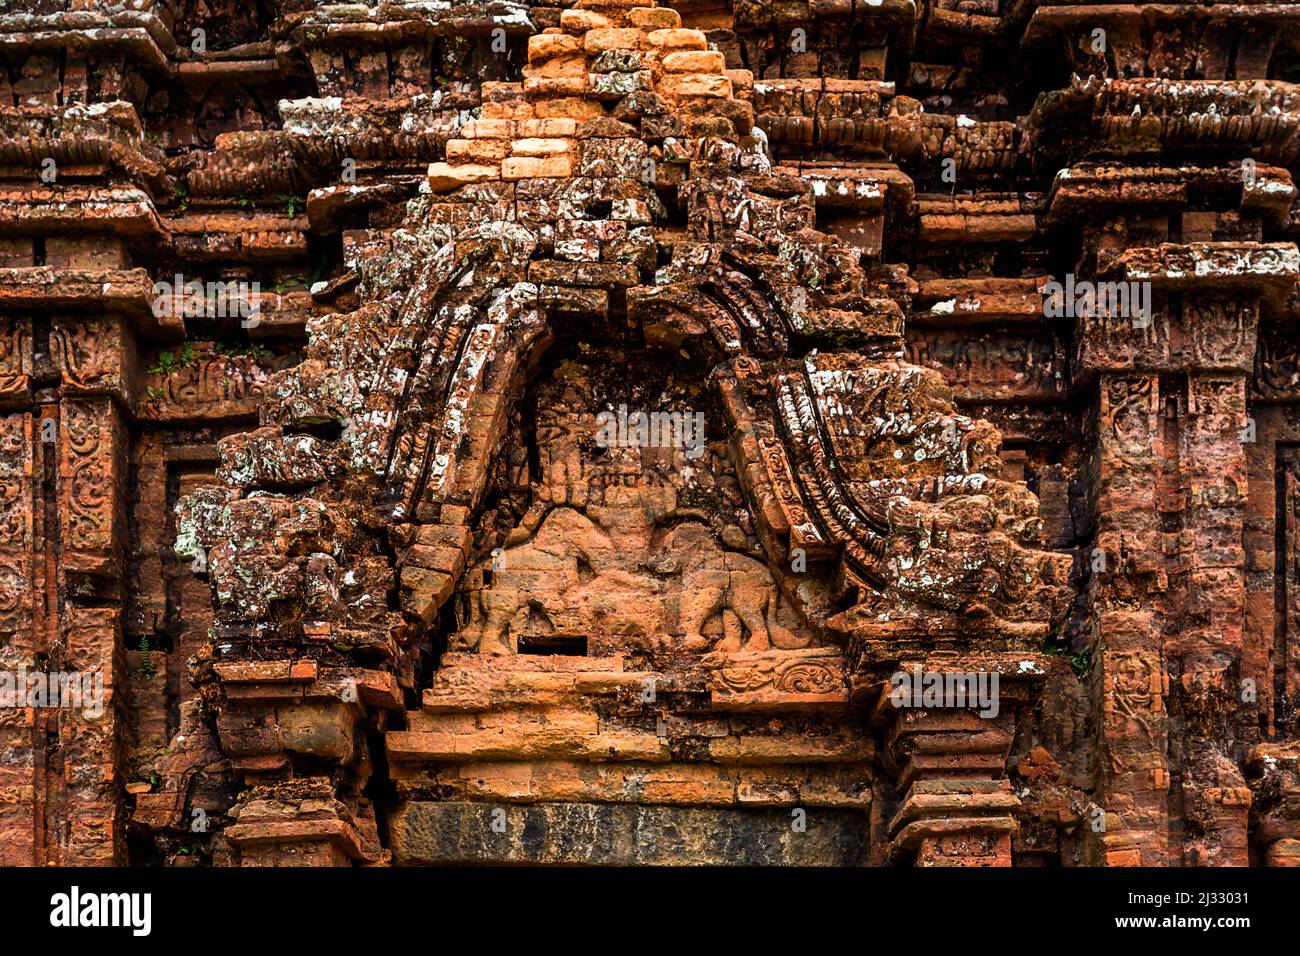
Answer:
(382, 558)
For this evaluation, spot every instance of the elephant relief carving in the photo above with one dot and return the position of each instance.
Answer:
(630, 586)
(727, 586)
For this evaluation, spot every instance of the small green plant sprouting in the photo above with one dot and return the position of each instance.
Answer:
(146, 662)
(165, 364)
(289, 282)
(181, 191)
(169, 362)
(1082, 662)
(292, 204)
(1050, 646)
(154, 392)
(241, 349)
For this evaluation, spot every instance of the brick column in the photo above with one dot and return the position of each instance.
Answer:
(1168, 584)
(1129, 680)
(955, 805)
(64, 476)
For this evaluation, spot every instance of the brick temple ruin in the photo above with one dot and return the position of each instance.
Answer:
(986, 311)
